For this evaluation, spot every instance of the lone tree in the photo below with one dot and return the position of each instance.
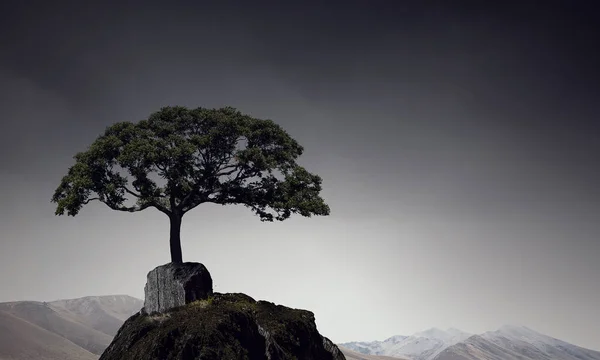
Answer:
(180, 158)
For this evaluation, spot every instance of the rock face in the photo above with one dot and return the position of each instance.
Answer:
(223, 327)
(333, 349)
(174, 285)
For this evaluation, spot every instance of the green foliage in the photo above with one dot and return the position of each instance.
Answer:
(203, 155)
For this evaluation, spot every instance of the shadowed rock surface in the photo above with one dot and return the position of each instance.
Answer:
(174, 285)
(226, 326)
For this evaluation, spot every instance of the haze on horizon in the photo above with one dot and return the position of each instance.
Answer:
(458, 147)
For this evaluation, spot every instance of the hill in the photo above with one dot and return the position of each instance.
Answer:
(352, 355)
(21, 340)
(63, 329)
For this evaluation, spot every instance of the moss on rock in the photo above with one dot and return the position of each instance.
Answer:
(225, 326)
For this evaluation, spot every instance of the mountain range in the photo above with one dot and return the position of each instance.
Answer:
(77, 329)
(507, 343)
(80, 329)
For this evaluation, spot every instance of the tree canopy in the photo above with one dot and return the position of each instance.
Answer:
(199, 153)
(179, 158)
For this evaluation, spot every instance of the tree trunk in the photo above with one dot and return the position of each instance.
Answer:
(175, 239)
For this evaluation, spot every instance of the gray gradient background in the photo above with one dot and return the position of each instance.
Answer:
(458, 146)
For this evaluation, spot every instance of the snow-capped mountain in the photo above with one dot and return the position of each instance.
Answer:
(423, 345)
(506, 343)
(537, 346)
(364, 347)
(374, 347)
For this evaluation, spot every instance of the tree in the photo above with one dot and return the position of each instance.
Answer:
(180, 158)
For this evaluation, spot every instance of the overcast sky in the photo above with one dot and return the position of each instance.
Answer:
(458, 146)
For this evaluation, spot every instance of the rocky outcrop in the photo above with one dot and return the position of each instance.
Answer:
(172, 285)
(332, 348)
(223, 327)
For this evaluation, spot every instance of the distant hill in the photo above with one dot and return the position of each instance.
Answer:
(21, 340)
(65, 329)
(351, 355)
(102, 313)
(506, 343)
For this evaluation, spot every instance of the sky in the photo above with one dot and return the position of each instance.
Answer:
(457, 142)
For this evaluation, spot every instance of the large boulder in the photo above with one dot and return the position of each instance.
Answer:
(176, 284)
(224, 327)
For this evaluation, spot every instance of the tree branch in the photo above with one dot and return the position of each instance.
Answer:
(131, 192)
(206, 199)
(225, 160)
(227, 173)
(128, 208)
(243, 175)
(160, 208)
(152, 203)
(187, 198)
